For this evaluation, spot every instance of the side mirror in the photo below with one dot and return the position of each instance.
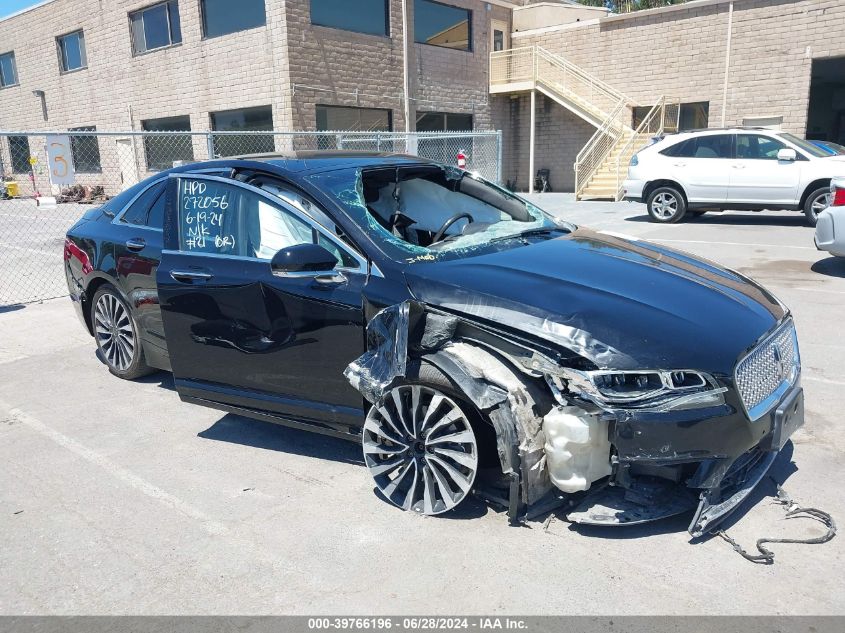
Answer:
(787, 154)
(304, 260)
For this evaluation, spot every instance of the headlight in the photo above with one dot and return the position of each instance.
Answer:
(653, 390)
(634, 161)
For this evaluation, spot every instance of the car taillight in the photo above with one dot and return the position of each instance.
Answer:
(838, 195)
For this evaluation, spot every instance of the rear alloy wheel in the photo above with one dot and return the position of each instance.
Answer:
(420, 449)
(666, 205)
(816, 202)
(116, 334)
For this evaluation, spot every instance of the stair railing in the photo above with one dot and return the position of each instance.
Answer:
(593, 154)
(576, 84)
(664, 116)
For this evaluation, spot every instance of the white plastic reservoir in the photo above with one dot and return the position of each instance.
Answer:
(577, 448)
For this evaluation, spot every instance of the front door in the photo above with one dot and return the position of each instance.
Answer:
(241, 337)
(758, 177)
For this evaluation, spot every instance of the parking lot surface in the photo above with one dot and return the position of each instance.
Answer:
(117, 498)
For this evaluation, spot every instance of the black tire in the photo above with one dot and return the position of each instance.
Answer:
(812, 204)
(666, 205)
(116, 334)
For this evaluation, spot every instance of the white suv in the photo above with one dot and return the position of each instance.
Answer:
(739, 168)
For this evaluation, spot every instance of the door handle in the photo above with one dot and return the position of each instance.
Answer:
(188, 276)
(739, 166)
(136, 244)
(680, 165)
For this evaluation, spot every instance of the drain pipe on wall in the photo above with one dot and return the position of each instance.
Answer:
(727, 61)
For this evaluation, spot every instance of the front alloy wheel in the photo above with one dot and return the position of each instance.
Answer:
(420, 449)
(666, 205)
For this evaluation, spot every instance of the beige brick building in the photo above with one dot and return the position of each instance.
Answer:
(341, 64)
(773, 62)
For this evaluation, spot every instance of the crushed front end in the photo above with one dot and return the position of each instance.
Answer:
(618, 447)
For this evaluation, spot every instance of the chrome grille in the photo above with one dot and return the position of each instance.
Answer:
(768, 370)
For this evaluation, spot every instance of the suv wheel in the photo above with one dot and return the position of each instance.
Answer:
(666, 205)
(117, 335)
(816, 202)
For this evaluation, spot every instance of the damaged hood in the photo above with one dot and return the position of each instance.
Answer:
(623, 304)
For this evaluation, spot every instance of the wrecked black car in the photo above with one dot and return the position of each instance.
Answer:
(469, 341)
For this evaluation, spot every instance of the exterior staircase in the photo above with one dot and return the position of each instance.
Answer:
(602, 163)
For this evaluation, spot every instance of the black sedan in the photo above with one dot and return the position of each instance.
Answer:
(467, 340)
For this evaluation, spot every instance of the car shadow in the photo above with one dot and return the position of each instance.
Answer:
(12, 308)
(735, 218)
(237, 429)
(830, 266)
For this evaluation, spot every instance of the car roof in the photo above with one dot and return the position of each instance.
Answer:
(327, 160)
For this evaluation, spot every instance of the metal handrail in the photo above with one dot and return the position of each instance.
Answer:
(601, 143)
(613, 94)
(657, 112)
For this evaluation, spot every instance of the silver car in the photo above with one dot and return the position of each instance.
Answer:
(828, 237)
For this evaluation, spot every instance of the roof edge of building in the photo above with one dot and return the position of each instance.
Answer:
(693, 4)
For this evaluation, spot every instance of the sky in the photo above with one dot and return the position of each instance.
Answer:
(7, 7)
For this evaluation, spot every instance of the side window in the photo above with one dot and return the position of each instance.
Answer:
(710, 146)
(756, 147)
(713, 146)
(139, 212)
(227, 219)
(682, 149)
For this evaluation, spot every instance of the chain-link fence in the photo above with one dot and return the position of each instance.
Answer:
(48, 180)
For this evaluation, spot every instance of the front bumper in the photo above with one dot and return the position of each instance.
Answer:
(633, 190)
(718, 455)
(747, 471)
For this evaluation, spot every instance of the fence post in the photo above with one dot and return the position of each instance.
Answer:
(499, 156)
(209, 144)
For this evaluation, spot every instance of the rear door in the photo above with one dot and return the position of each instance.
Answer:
(241, 338)
(702, 165)
(137, 235)
(758, 177)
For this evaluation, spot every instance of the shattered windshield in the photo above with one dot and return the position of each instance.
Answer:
(434, 212)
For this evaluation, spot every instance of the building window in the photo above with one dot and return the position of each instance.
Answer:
(156, 27)
(19, 153)
(258, 119)
(353, 119)
(162, 150)
(443, 122)
(442, 25)
(369, 16)
(221, 17)
(85, 151)
(8, 70)
(692, 116)
(72, 51)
